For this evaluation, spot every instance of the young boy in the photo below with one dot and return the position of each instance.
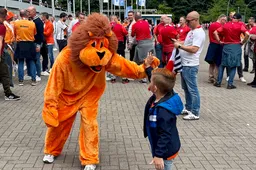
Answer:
(160, 118)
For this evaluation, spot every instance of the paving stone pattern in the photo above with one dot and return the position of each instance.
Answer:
(223, 138)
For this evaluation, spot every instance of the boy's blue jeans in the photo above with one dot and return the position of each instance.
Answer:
(168, 164)
(189, 85)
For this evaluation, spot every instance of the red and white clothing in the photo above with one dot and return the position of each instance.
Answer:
(157, 31)
(183, 31)
(119, 31)
(213, 27)
(141, 30)
(196, 38)
(168, 33)
(231, 32)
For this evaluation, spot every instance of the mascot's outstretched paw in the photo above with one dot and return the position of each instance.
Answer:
(90, 167)
(48, 159)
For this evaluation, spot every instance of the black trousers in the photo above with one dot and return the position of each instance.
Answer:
(62, 44)
(246, 62)
(4, 76)
(44, 53)
(121, 48)
(132, 52)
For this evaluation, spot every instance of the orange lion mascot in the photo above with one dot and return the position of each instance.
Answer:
(76, 83)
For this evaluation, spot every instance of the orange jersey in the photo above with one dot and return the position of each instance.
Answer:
(24, 30)
(48, 32)
(9, 36)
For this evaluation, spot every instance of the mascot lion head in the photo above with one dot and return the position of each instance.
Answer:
(93, 43)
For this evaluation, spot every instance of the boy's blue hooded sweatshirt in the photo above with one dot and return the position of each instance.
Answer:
(160, 125)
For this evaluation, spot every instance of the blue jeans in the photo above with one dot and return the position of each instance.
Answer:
(31, 68)
(189, 85)
(158, 48)
(231, 74)
(50, 54)
(38, 64)
(168, 164)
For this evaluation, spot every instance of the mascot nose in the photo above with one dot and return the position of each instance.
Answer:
(101, 54)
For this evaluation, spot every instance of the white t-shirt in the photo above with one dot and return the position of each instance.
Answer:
(72, 23)
(196, 38)
(60, 27)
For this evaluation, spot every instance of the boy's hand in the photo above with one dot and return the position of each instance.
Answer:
(149, 60)
(159, 163)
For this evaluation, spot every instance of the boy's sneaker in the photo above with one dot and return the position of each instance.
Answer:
(33, 83)
(90, 167)
(12, 97)
(185, 112)
(191, 117)
(125, 81)
(38, 78)
(113, 80)
(144, 80)
(48, 159)
(21, 83)
(45, 73)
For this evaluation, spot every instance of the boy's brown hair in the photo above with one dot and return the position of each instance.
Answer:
(3, 13)
(163, 79)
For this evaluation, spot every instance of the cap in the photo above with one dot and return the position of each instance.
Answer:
(237, 16)
(9, 15)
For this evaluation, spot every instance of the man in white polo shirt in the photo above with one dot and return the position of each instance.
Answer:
(190, 52)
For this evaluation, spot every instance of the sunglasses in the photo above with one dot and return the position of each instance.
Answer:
(190, 20)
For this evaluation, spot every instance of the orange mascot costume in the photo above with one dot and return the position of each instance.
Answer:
(76, 83)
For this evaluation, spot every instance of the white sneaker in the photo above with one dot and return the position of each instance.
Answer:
(227, 78)
(185, 112)
(90, 167)
(38, 78)
(26, 77)
(48, 159)
(191, 117)
(107, 78)
(45, 73)
(242, 79)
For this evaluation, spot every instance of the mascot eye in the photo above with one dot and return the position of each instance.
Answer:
(101, 44)
(94, 44)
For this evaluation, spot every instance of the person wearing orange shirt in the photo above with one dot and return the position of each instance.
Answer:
(48, 36)
(9, 39)
(24, 31)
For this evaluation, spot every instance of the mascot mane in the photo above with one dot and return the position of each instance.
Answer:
(99, 27)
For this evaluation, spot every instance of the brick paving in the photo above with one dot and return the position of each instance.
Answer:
(223, 138)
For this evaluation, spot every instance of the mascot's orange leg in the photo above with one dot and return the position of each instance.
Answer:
(57, 136)
(89, 136)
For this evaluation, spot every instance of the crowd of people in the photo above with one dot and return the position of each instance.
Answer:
(25, 39)
(28, 37)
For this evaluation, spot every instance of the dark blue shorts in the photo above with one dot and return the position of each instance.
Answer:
(214, 54)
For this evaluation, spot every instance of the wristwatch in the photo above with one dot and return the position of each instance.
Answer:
(179, 46)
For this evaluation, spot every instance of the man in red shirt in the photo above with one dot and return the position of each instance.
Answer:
(81, 18)
(4, 72)
(168, 33)
(232, 51)
(183, 29)
(141, 30)
(158, 40)
(214, 53)
(120, 33)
